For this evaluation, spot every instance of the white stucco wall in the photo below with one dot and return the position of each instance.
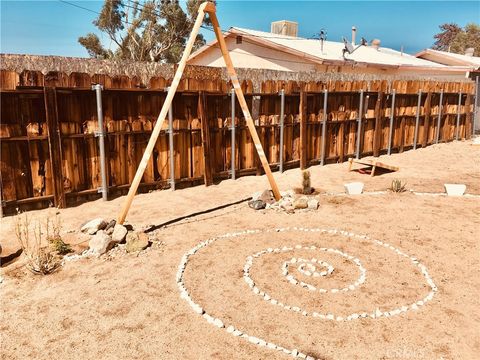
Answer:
(248, 55)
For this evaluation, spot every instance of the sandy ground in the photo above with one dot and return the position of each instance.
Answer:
(128, 306)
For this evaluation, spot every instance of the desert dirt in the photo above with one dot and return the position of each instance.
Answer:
(128, 306)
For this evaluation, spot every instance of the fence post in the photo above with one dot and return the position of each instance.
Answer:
(417, 119)
(390, 130)
(378, 127)
(282, 125)
(359, 123)
(426, 121)
(440, 108)
(54, 145)
(324, 126)
(205, 132)
(171, 149)
(232, 94)
(303, 129)
(476, 106)
(101, 140)
(457, 127)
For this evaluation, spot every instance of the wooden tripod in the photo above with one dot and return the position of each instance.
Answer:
(205, 8)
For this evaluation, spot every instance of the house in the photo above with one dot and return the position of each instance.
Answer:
(281, 49)
(448, 58)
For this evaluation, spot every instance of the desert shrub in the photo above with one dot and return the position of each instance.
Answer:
(53, 227)
(397, 186)
(306, 183)
(40, 259)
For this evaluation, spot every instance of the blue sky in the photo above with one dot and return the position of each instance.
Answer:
(50, 27)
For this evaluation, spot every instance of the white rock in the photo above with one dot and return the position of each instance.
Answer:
(100, 243)
(218, 323)
(119, 233)
(93, 226)
(230, 329)
(455, 189)
(237, 333)
(354, 188)
(312, 204)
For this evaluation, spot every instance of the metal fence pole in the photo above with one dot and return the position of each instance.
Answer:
(440, 108)
(101, 141)
(359, 123)
(282, 124)
(457, 127)
(417, 119)
(390, 131)
(324, 125)
(171, 150)
(232, 94)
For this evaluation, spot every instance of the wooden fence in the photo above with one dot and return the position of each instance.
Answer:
(49, 152)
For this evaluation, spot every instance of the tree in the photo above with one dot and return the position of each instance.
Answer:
(155, 30)
(469, 38)
(446, 36)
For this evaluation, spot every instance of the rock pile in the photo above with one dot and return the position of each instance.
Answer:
(290, 201)
(107, 234)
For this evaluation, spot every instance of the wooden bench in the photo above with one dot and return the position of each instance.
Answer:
(373, 164)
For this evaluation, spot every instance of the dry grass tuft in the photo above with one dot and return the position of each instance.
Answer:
(40, 260)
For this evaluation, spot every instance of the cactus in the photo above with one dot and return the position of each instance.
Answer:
(306, 183)
(397, 186)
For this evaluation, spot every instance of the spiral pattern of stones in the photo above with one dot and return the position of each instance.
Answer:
(184, 293)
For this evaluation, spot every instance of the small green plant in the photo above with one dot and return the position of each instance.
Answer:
(306, 183)
(54, 238)
(397, 186)
(40, 260)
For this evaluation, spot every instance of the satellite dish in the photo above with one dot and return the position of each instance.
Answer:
(348, 46)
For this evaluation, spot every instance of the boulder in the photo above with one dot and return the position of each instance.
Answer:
(119, 233)
(267, 197)
(100, 243)
(136, 241)
(257, 204)
(312, 204)
(93, 226)
(300, 203)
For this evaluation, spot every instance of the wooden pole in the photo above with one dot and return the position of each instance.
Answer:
(206, 147)
(210, 9)
(54, 146)
(161, 118)
(378, 124)
(303, 129)
(426, 121)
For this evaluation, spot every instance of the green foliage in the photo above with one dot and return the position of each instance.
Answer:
(469, 38)
(154, 30)
(456, 39)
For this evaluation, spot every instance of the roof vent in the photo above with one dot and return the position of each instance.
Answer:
(375, 44)
(469, 51)
(285, 27)
(354, 32)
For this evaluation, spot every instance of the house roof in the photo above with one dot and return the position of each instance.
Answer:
(449, 58)
(310, 49)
